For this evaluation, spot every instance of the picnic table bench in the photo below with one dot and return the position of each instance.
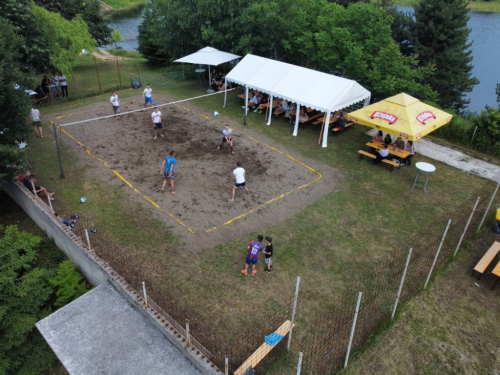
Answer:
(393, 164)
(487, 259)
(496, 272)
(263, 350)
(348, 125)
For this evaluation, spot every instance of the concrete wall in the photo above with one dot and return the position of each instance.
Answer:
(97, 271)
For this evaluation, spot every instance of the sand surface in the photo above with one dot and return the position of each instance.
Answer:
(280, 182)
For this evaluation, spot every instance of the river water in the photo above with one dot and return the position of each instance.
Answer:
(485, 37)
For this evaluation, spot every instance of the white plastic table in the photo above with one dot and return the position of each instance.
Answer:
(423, 170)
(199, 73)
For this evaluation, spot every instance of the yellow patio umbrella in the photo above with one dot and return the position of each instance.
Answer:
(401, 115)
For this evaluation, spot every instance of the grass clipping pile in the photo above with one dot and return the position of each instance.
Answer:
(279, 183)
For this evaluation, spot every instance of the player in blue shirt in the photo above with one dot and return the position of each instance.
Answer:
(167, 168)
(253, 251)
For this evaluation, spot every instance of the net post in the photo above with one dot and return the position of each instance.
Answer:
(437, 253)
(58, 150)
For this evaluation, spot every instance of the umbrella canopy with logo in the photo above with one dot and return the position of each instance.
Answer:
(402, 115)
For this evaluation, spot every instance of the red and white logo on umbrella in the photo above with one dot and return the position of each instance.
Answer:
(390, 118)
(424, 116)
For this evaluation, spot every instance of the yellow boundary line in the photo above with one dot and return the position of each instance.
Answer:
(155, 205)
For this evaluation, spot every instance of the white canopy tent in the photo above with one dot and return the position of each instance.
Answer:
(208, 56)
(320, 91)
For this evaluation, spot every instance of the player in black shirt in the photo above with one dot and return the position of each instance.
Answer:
(269, 253)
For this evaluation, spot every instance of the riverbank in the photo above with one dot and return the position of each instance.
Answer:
(475, 6)
(121, 6)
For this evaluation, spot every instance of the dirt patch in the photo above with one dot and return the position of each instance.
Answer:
(280, 182)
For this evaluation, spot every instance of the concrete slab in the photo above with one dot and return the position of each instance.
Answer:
(454, 158)
(101, 333)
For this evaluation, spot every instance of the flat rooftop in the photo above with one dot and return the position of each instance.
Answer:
(101, 333)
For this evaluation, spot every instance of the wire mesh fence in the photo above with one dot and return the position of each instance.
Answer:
(324, 338)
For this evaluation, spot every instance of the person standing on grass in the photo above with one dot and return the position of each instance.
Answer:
(253, 251)
(156, 119)
(227, 136)
(167, 168)
(269, 253)
(64, 84)
(239, 179)
(147, 95)
(35, 117)
(115, 102)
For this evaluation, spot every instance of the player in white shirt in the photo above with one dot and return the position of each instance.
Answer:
(239, 179)
(156, 119)
(115, 102)
(35, 117)
(147, 95)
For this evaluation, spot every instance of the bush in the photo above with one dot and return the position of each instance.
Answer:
(68, 283)
(488, 130)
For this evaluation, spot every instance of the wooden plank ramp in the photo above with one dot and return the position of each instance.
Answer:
(263, 350)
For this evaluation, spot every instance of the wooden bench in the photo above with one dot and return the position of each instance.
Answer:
(348, 125)
(496, 272)
(242, 96)
(391, 163)
(487, 259)
(364, 153)
(263, 350)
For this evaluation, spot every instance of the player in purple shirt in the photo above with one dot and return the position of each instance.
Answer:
(253, 250)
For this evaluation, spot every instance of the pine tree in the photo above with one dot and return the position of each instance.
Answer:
(24, 293)
(440, 38)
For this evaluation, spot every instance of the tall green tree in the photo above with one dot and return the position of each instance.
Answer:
(440, 38)
(24, 295)
(67, 39)
(90, 10)
(33, 52)
(14, 103)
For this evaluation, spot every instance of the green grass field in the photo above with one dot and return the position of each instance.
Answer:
(375, 209)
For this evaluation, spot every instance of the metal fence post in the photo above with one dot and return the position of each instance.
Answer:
(352, 329)
(466, 226)
(299, 365)
(118, 68)
(34, 191)
(293, 312)
(188, 338)
(437, 253)
(486, 212)
(226, 365)
(50, 204)
(58, 150)
(74, 83)
(145, 294)
(401, 284)
(88, 239)
(97, 72)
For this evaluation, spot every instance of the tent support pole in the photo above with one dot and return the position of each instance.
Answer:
(246, 106)
(325, 130)
(296, 128)
(270, 108)
(209, 79)
(225, 91)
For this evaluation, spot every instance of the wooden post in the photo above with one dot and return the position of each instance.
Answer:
(138, 71)
(187, 334)
(145, 294)
(118, 67)
(34, 191)
(88, 239)
(97, 72)
(74, 83)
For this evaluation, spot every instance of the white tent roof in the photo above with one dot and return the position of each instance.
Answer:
(306, 87)
(208, 56)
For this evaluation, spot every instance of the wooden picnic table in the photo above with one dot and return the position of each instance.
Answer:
(496, 272)
(396, 152)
